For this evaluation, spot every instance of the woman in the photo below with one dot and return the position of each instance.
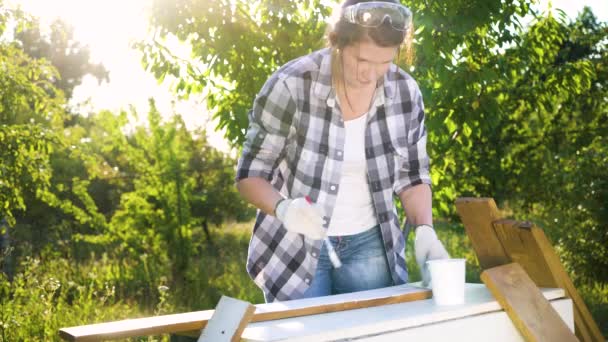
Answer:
(332, 137)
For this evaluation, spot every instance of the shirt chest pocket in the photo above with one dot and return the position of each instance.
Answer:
(399, 139)
(397, 158)
(305, 161)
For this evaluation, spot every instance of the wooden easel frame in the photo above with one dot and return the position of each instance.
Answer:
(498, 241)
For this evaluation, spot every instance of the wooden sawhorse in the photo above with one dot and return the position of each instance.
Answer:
(499, 241)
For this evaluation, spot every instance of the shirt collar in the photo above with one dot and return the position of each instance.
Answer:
(378, 98)
(322, 84)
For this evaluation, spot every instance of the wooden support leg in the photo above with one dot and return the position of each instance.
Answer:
(230, 318)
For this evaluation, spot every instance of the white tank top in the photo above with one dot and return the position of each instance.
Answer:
(354, 211)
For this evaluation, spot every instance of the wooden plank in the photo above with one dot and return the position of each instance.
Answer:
(586, 328)
(191, 323)
(229, 319)
(477, 215)
(521, 247)
(167, 324)
(580, 326)
(529, 311)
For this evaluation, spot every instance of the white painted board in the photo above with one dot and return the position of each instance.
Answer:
(397, 321)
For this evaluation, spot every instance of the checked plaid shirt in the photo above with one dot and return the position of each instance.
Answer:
(295, 140)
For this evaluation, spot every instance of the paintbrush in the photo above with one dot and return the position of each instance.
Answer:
(333, 256)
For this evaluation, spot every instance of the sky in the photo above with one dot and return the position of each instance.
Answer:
(110, 26)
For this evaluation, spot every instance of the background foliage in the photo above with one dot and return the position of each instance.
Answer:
(101, 219)
(505, 103)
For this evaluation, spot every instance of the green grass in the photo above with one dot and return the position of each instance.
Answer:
(51, 293)
(41, 299)
(595, 296)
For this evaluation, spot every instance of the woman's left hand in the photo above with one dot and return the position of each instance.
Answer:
(427, 247)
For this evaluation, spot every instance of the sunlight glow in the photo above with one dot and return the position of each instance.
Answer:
(573, 8)
(109, 27)
(103, 25)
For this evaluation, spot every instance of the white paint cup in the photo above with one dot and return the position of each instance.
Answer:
(447, 280)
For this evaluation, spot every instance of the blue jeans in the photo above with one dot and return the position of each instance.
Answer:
(364, 265)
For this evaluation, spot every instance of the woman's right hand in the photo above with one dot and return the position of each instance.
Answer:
(300, 216)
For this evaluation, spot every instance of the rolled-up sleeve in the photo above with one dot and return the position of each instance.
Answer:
(270, 122)
(414, 163)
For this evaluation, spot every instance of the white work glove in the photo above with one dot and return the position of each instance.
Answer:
(427, 247)
(300, 216)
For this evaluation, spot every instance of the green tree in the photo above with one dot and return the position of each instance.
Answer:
(30, 112)
(70, 57)
(163, 183)
(573, 152)
(67, 207)
(39, 206)
(235, 46)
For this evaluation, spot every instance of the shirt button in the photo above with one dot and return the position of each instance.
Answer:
(307, 280)
(314, 254)
(339, 153)
(333, 187)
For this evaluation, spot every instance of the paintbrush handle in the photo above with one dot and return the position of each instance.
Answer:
(333, 256)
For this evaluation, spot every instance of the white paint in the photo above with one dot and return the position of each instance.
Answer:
(479, 319)
(493, 326)
(337, 299)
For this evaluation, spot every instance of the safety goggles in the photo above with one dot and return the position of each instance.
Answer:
(374, 13)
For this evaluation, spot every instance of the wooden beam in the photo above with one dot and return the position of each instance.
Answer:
(521, 247)
(586, 328)
(193, 322)
(530, 312)
(477, 215)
